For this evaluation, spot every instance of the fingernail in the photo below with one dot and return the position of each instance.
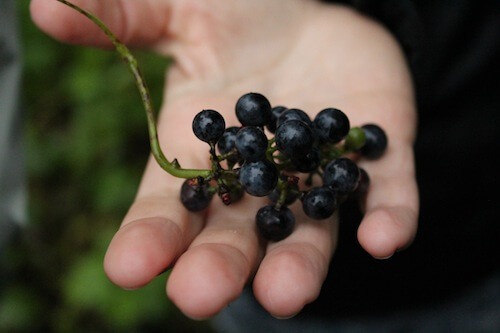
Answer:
(384, 258)
(284, 318)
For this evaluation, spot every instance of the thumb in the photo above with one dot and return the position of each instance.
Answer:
(139, 23)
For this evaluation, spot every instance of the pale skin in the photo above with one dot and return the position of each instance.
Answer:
(298, 53)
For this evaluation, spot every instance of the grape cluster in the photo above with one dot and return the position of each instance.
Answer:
(259, 164)
(263, 166)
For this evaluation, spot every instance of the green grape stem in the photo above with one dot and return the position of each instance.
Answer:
(172, 168)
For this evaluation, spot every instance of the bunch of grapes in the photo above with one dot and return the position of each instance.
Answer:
(270, 166)
(262, 166)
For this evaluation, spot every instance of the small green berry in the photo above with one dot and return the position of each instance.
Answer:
(355, 139)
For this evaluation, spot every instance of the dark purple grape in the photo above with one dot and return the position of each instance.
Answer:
(275, 113)
(331, 125)
(293, 114)
(319, 203)
(258, 178)
(359, 195)
(253, 109)
(226, 144)
(227, 141)
(375, 141)
(307, 163)
(208, 126)
(364, 183)
(275, 224)
(251, 143)
(195, 195)
(294, 138)
(342, 175)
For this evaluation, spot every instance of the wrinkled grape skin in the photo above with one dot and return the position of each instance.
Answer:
(342, 175)
(294, 138)
(195, 197)
(331, 125)
(274, 224)
(208, 126)
(253, 109)
(231, 195)
(319, 203)
(251, 143)
(375, 141)
(258, 178)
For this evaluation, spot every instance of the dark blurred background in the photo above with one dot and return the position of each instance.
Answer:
(86, 145)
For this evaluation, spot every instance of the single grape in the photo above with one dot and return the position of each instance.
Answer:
(375, 141)
(331, 125)
(253, 109)
(309, 162)
(359, 195)
(319, 203)
(342, 175)
(294, 138)
(293, 114)
(275, 224)
(251, 143)
(258, 178)
(275, 113)
(208, 126)
(195, 195)
(364, 183)
(226, 143)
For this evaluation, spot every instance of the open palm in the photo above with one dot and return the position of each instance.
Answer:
(298, 53)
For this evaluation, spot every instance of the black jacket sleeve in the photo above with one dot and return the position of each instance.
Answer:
(398, 16)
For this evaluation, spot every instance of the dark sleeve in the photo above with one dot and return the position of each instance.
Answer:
(400, 17)
(457, 48)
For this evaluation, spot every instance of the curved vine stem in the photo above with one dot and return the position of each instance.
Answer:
(131, 61)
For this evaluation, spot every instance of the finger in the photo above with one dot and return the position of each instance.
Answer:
(390, 222)
(156, 230)
(294, 269)
(215, 268)
(133, 22)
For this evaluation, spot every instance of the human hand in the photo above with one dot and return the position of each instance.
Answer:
(299, 53)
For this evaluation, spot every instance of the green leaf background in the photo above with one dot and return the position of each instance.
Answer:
(86, 145)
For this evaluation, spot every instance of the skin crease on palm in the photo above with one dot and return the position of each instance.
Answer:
(298, 53)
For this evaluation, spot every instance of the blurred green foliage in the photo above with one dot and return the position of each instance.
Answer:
(86, 147)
